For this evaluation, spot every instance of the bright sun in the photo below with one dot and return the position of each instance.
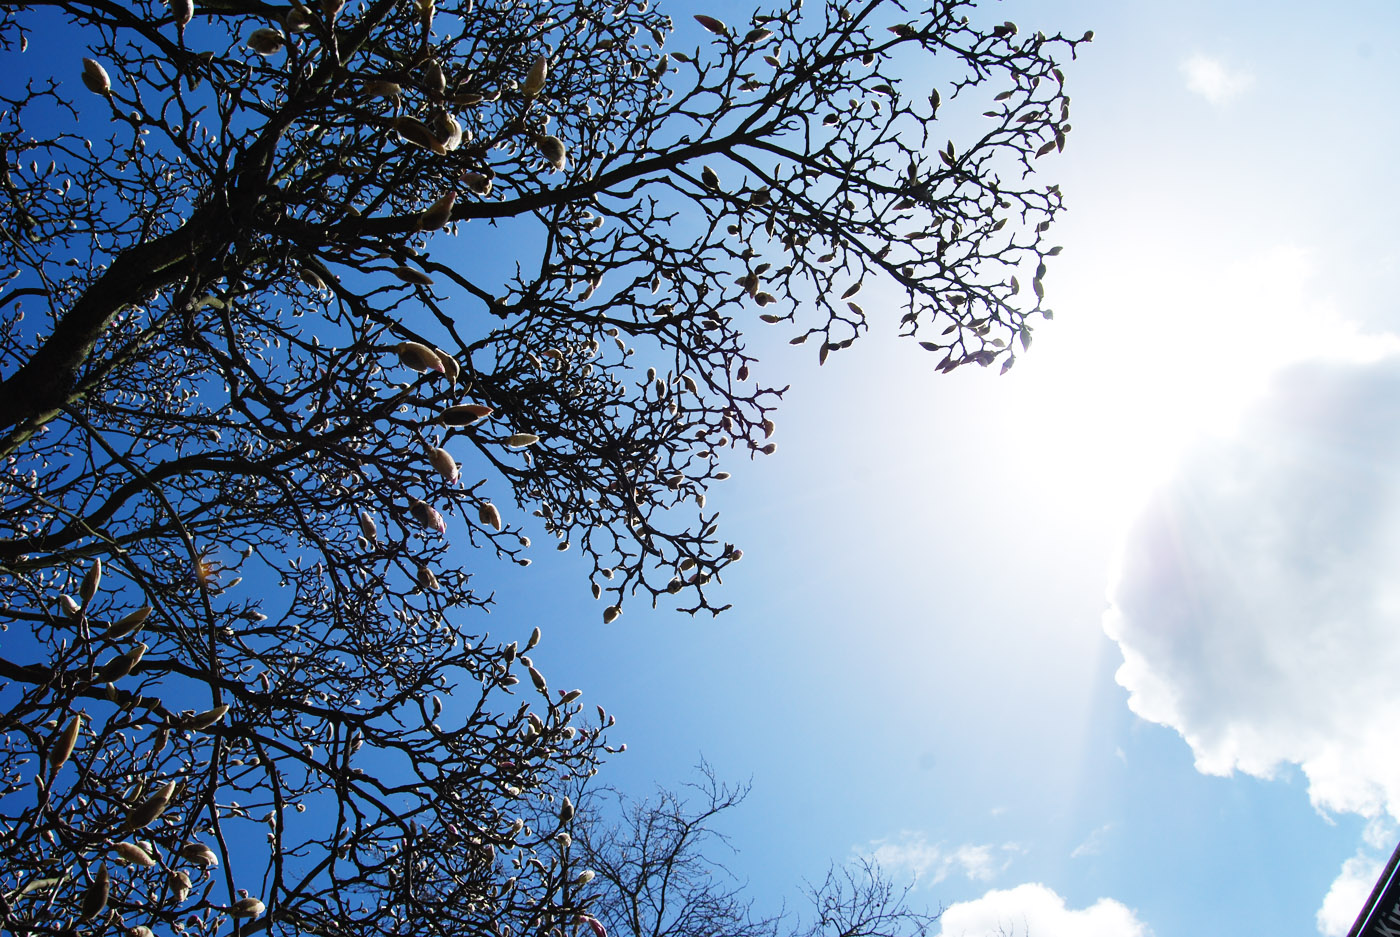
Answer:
(1112, 396)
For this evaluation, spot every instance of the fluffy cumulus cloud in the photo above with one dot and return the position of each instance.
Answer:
(1347, 894)
(1033, 910)
(1358, 876)
(911, 855)
(1214, 80)
(1257, 605)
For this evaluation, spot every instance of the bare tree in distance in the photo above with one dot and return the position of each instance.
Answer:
(251, 389)
(660, 872)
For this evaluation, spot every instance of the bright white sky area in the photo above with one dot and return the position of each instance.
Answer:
(1105, 647)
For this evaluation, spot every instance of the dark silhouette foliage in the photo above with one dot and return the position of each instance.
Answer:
(295, 297)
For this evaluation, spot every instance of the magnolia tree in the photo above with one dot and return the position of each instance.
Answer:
(297, 296)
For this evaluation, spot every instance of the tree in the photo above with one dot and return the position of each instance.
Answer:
(258, 392)
(657, 876)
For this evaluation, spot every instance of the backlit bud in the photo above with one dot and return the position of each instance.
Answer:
(554, 150)
(63, 746)
(414, 276)
(95, 897)
(145, 813)
(419, 134)
(132, 854)
(464, 414)
(179, 886)
(183, 11)
(534, 80)
(199, 854)
(438, 214)
(91, 581)
(427, 516)
(247, 907)
(266, 41)
(419, 357)
(95, 77)
(207, 718)
(477, 182)
(127, 624)
(444, 464)
(298, 19)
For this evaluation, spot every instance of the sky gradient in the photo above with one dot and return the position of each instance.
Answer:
(1105, 646)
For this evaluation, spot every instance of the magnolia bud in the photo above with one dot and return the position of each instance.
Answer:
(247, 907)
(184, 12)
(146, 813)
(419, 357)
(95, 77)
(298, 19)
(199, 854)
(478, 183)
(133, 854)
(266, 41)
(444, 464)
(464, 414)
(63, 747)
(427, 515)
(534, 80)
(179, 885)
(95, 898)
(91, 580)
(439, 213)
(554, 150)
(127, 624)
(206, 719)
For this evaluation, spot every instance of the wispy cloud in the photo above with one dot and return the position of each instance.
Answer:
(911, 855)
(1036, 910)
(1215, 81)
(1093, 843)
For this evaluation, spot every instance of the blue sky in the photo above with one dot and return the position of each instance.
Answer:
(1105, 646)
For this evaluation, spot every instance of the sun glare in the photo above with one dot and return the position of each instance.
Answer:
(1115, 394)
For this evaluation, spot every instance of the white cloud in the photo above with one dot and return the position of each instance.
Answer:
(911, 855)
(1347, 894)
(1214, 80)
(1034, 910)
(1358, 876)
(1257, 604)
